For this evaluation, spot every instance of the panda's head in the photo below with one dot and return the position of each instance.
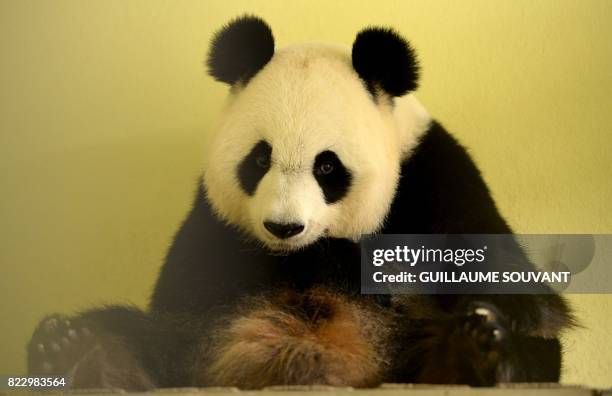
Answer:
(309, 144)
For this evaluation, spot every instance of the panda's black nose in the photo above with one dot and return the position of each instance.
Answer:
(283, 230)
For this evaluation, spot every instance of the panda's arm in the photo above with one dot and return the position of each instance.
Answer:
(442, 191)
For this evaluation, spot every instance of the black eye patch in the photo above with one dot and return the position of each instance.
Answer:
(254, 166)
(332, 176)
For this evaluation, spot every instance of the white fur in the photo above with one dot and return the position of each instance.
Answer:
(308, 99)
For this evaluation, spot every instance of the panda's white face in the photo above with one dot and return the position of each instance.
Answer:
(312, 138)
(303, 151)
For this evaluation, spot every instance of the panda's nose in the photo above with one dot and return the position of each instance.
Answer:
(283, 230)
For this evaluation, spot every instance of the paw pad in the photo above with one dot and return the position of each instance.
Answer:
(57, 345)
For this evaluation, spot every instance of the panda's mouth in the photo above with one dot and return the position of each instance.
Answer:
(283, 248)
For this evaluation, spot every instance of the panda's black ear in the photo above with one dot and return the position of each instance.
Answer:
(240, 49)
(384, 60)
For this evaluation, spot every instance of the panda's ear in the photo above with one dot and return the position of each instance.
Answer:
(384, 60)
(240, 49)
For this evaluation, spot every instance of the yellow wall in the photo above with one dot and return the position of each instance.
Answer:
(104, 108)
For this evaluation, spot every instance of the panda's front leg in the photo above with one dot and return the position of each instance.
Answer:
(479, 348)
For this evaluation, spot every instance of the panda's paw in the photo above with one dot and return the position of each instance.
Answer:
(58, 345)
(484, 327)
(480, 341)
(468, 348)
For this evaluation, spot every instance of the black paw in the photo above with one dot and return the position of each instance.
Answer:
(484, 327)
(58, 345)
(482, 339)
(468, 348)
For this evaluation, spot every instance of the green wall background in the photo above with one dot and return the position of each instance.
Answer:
(105, 109)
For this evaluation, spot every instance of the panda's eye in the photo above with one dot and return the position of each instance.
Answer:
(331, 174)
(325, 168)
(263, 161)
(254, 167)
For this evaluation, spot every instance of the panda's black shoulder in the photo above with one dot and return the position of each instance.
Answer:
(441, 190)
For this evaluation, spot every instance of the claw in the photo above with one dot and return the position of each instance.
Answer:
(499, 334)
(487, 311)
(482, 311)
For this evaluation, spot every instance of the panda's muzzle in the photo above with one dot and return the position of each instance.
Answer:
(283, 230)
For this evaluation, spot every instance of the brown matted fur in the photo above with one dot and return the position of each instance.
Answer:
(316, 337)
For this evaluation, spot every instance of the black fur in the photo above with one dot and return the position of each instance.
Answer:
(332, 176)
(383, 59)
(240, 50)
(254, 167)
(442, 181)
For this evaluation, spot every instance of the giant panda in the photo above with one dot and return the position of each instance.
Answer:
(316, 147)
